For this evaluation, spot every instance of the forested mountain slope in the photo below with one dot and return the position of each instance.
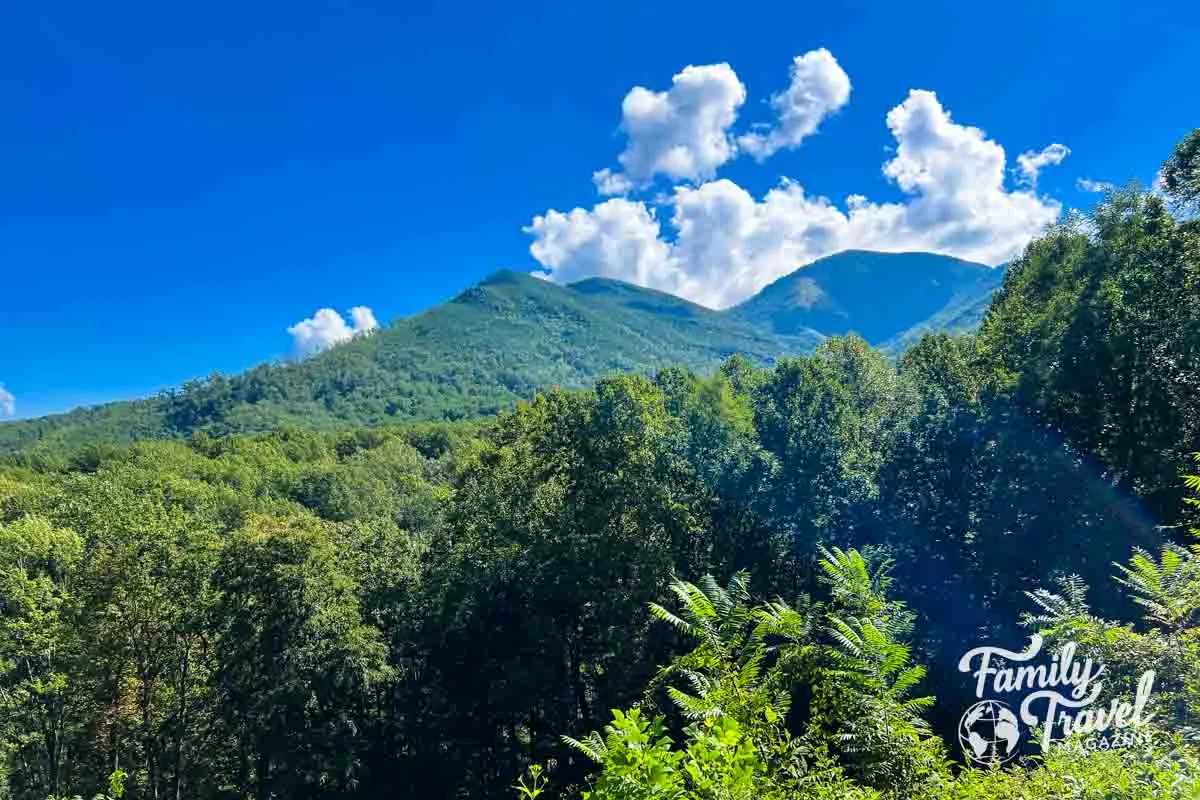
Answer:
(962, 313)
(514, 334)
(876, 295)
(495, 343)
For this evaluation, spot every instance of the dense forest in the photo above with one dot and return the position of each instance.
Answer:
(750, 583)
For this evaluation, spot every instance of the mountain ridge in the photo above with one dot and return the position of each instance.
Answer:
(513, 334)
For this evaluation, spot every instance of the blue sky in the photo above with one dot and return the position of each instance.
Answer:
(180, 184)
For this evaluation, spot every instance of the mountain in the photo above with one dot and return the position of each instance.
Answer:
(963, 313)
(514, 334)
(495, 343)
(887, 298)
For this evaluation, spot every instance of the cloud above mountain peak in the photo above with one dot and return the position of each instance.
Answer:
(711, 241)
(682, 133)
(686, 132)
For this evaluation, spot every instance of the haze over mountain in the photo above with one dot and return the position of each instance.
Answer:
(513, 334)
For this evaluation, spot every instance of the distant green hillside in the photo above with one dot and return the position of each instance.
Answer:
(963, 313)
(514, 334)
(496, 343)
(880, 296)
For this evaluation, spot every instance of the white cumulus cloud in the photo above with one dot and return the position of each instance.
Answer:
(326, 328)
(8, 403)
(618, 238)
(725, 244)
(819, 86)
(1031, 162)
(682, 133)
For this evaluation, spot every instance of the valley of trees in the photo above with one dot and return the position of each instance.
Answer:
(755, 583)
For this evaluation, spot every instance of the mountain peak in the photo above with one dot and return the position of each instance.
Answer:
(503, 277)
(877, 295)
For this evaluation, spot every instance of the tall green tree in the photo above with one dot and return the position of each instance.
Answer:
(39, 652)
(1181, 172)
(295, 659)
(1096, 332)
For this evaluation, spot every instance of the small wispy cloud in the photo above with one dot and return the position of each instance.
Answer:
(818, 88)
(327, 328)
(1089, 185)
(1032, 162)
(8, 403)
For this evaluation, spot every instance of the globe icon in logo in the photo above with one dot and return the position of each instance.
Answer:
(989, 732)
